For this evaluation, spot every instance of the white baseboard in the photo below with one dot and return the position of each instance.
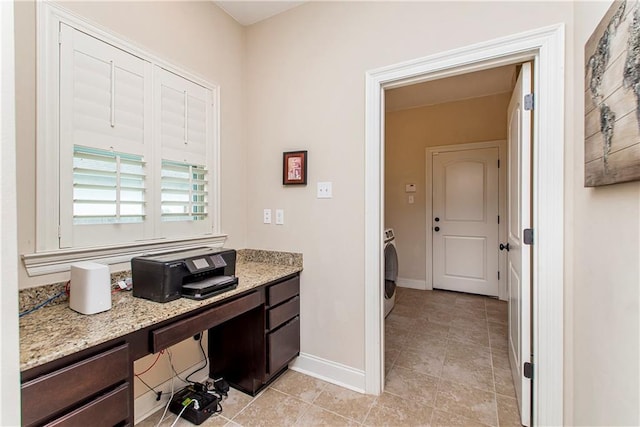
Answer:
(412, 283)
(146, 404)
(333, 372)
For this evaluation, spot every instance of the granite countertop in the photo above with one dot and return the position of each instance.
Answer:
(57, 331)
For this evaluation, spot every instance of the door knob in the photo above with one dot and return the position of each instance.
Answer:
(437, 228)
(503, 247)
(437, 219)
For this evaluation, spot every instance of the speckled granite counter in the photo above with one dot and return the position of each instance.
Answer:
(57, 331)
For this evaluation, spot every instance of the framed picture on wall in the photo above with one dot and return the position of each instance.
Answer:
(612, 89)
(294, 168)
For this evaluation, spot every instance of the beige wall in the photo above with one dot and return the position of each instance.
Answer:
(407, 134)
(606, 274)
(306, 84)
(197, 36)
(304, 89)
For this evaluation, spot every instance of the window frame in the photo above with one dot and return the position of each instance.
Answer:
(48, 256)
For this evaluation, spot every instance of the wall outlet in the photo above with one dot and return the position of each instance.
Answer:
(325, 190)
(266, 216)
(279, 216)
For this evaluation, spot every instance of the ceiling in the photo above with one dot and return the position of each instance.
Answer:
(250, 12)
(450, 89)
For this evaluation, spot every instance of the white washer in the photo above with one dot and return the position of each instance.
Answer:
(390, 271)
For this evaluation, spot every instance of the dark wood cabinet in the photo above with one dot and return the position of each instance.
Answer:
(283, 345)
(70, 394)
(251, 350)
(252, 338)
(175, 332)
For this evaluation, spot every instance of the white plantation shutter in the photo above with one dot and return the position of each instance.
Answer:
(105, 101)
(105, 136)
(186, 147)
(127, 144)
(183, 192)
(108, 187)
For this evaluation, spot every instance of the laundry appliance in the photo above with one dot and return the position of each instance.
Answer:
(390, 271)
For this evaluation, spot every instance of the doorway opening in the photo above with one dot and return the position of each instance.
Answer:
(545, 48)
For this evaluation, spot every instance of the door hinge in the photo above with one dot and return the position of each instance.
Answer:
(528, 370)
(498, 275)
(59, 233)
(59, 37)
(528, 236)
(498, 219)
(528, 102)
(498, 163)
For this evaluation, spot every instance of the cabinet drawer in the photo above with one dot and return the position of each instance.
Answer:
(280, 314)
(54, 392)
(283, 291)
(106, 410)
(178, 331)
(284, 345)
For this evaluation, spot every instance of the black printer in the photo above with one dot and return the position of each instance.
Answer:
(193, 273)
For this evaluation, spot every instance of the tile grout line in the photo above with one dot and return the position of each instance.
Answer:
(493, 371)
(253, 399)
(313, 404)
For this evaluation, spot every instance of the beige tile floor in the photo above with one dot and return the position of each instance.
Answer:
(446, 365)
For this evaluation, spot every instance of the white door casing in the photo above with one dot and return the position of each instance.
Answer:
(546, 47)
(464, 220)
(518, 253)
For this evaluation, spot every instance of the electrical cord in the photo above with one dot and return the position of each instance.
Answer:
(148, 386)
(166, 407)
(42, 304)
(205, 361)
(152, 365)
(173, 367)
(138, 376)
(196, 406)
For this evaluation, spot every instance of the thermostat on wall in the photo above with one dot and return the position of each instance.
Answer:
(410, 188)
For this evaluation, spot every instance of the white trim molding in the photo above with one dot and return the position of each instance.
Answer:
(10, 343)
(412, 284)
(326, 370)
(41, 263)
(545, 46)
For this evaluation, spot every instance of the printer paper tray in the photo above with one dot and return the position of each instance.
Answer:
(207, 289)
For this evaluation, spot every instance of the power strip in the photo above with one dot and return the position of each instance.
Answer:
(184, 404)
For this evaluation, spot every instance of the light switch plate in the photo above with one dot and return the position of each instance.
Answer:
(325, 190)
(266, 216)
(279, 216)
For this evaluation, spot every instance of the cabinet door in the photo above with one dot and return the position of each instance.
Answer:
(284, 345)
(107, 410)
(56, 392)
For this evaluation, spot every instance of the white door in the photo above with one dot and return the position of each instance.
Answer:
(465, 221)
(518, 253)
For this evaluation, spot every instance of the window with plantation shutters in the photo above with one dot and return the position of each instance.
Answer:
(186, 151)
(105, 139)
(136, 146)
